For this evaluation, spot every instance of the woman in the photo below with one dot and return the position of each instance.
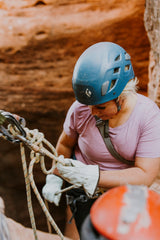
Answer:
(105, 86)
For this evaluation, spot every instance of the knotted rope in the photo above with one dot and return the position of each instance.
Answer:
(36, 141)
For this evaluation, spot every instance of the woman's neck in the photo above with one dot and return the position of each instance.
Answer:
(127, 106)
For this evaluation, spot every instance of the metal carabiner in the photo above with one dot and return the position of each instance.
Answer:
(13, 121)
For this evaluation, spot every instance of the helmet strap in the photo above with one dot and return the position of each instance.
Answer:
(118, 105)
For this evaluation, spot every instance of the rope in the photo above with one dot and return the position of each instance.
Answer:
(28, 190)
(48, 223)
(35, 140)
(44, 208)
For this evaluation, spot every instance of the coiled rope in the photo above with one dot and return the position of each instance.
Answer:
(36, 141)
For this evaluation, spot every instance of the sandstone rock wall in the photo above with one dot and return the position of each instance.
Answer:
(152, 25)
(40, 42)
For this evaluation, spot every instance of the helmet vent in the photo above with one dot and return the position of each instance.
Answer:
(127, 56)
(127, 67)
(117, 58)
(113, 83)
(104, 88)
(116, 70)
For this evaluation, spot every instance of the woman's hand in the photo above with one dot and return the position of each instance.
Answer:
(80, 174)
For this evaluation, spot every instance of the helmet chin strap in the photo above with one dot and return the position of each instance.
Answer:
(118, 105)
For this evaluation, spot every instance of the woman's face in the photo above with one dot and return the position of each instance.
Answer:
(105, 110)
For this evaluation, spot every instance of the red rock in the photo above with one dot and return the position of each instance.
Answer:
(40, 42)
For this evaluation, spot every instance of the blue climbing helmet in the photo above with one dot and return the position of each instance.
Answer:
(101, 73)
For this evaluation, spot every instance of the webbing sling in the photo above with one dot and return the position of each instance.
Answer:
(103, 127)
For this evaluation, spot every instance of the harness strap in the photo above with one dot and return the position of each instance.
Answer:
(103, 127)
(73, 200)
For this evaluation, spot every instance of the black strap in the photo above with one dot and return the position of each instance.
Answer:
(89, 232)
(103, 127)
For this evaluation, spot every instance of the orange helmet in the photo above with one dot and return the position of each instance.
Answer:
(124, 213)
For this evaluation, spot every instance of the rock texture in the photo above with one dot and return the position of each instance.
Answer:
(40, 42)
(152, 25)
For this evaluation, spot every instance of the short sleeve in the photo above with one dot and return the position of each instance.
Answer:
(149, 141)
(69, 125)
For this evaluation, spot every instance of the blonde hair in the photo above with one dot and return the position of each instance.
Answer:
(131, 87)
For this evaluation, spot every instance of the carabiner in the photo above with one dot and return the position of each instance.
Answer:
(13, 121)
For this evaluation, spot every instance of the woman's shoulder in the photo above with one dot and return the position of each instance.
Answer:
(147, 109)
(78, 114)
(79, 108)
(147, 103)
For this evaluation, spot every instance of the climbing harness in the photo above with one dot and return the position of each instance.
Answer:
(73, 200)
(79, 204)
(16, 132)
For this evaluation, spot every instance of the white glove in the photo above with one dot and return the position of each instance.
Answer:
(79, 174)
(50, 189)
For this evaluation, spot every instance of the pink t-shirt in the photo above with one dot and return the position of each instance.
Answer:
(138, 136)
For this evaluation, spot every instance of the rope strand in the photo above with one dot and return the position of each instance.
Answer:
(35, 141)
(28, 190)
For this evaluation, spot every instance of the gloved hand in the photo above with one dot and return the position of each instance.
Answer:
(52, 186)
(79, 174)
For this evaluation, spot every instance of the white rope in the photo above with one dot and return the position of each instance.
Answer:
(36, 141)
(28, 190)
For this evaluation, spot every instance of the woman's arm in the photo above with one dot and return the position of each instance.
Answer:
(65, 145)
(143, 173)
